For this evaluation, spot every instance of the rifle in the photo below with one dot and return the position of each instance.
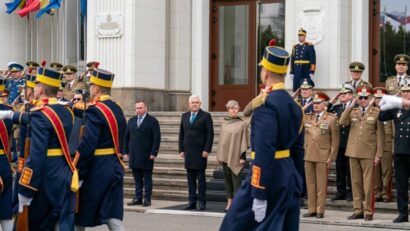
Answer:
(22, 218)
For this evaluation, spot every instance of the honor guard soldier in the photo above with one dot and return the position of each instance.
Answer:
(365, 148)
(49, 177)
(401, 118)
(303, 62)
(6, 177)
(321, 146)
(343, 179)
(401, 64)
(100, 166)
(71, 83)
(356, 71)
(32, 67)
(269, 196)
(56, 66)
(383, 171)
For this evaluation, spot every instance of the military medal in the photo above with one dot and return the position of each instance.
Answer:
(399, 114)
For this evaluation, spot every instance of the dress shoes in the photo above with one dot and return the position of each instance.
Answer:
(368, 217)
(134, 202)
(401, 218)
(379, 199)
(190, 206)
(309, 215)
(338, 197)
(320, 215)
(355, 216)
(146, 204)
(349, 197)
(202, 207)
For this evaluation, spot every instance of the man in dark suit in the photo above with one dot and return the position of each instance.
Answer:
(196, 136)
(141, 144)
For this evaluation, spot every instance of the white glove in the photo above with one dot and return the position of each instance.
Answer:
(311, 76)
(6, 114)
(291, 76)
(259, 209)
(390, 102)
(23, 201)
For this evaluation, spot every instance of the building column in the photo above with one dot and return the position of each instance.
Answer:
(360, 34)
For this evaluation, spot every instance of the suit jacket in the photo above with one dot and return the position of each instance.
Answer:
(366, 138)
(321, 137)
(142, 142)
(401, 120)
(196, 138)
(344, 129)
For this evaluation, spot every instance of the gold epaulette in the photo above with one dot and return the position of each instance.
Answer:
(391, 77)
(37, 108)
(332, 114)
(259, 100)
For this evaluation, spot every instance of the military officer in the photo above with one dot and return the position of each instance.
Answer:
(56, 66)
(16, 71)
(343, 180)
(356, 71)
(303, 62)
(364, 148)
(306, 95)
(47, 196)
(100, 166)
(32, 67)
(321, 146)
(71, 84)
(401, 118)
(401, 64)
(6, 178)
(383, 171)
(269, 196)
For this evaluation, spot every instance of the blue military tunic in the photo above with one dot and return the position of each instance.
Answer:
(101, 194)
(13, 86)
(303, 63)
(5, 175)
(275, 129)
(46, 176)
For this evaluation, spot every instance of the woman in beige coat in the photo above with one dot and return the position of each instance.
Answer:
(233, 143)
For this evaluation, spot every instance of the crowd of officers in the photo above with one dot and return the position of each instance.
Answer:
(351, 129)
(65, 153)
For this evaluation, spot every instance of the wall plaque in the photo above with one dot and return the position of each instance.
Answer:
(312, 21)
(109, 25)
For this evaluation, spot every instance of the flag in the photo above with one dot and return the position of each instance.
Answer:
(382, 18)
(83, 8)
(12, 6)
(399, 17)
(53, 4)
(33, 6)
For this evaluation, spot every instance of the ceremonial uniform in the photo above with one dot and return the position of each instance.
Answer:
(49, 176)
(71, 86)
(393, 82)
(6, 179)
(357, 67)
(321, 144)
(366, 141)
(12, 85)
(275, 127)
(100, 165)
(401, 119)
(303, 61)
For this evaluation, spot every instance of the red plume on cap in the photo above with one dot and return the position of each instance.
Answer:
(43, 63)
(272, 42)
(97, 64)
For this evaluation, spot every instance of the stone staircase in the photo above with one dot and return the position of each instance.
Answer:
(169, 175)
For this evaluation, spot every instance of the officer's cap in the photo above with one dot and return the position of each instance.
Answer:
(356, 67)
(401, 58)
(56, 66)
(302, 32)
(15, 67)
(49, 77)
(93, 64)
(275, 59)
(364, 90)
(379, 92)
(320, 97)
(347, 88)
(101, 78)
(32, 64)
(30, 80)
(69, 69)
(307, 83)
(405, 85)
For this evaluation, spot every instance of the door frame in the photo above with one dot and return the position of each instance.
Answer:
(374, 43)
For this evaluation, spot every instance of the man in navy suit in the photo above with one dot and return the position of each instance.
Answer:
(141, 144)
(196, 135)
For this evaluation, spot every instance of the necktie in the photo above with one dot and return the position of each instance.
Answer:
(139, 121)
(343, 107)
(363, 110)
(399, 81)
(303, 102)
(354, 85)
(317, 117)
(193, 115)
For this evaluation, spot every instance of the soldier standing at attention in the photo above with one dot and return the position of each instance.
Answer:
(303, 63)
(356, 71)
(321, 145)
(100, 166)
(71, 84)
(343, 179)
(383, 171)
(269, 196)
(364, 148)
(397, 109)
(401, 65)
